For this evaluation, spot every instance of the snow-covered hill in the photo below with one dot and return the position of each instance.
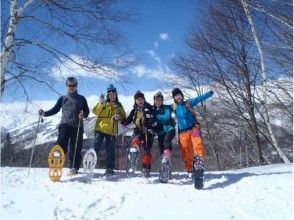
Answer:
(19, 119)
(253, 193)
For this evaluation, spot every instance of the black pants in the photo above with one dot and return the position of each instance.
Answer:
(109, 146)
(69, 134)
(165, 140)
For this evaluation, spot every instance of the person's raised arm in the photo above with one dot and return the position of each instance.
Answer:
(200, 98)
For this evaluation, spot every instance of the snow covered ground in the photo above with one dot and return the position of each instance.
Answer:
(254, 193)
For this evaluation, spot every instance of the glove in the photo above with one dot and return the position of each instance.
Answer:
(116, 117)
(41, 112)
(81, 115)
(102, 99)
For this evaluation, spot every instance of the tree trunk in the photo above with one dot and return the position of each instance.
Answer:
(9, 40)
(264, 79)
(210, 137)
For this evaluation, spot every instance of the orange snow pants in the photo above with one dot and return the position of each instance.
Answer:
(191, 144)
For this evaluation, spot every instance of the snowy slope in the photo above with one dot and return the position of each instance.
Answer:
(19, 119)
(253, 193)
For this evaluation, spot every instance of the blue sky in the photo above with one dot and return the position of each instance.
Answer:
(156, 37)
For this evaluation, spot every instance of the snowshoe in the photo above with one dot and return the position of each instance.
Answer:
(56, 159)
(146, 172)
(198, 172)
(132, 158)
(89, 164)
(165, 170)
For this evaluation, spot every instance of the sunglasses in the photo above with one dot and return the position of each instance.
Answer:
(71, 85)
(113, 90)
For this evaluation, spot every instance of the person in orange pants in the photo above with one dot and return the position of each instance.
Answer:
(192, 148)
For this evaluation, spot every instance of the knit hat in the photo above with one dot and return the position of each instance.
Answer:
(158, 95)
(177, 91)
(111, 88)
(139, 94)
(71, 80)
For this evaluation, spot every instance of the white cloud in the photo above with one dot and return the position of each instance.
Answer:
(81, 67)
(161, 73)
(155, 44)
(151, 52)
(164, 36)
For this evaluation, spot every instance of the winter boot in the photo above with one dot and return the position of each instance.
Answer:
(109, 172)
(72, 172)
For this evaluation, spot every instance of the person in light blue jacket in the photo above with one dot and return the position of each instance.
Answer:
(190, 134)
(185, 117)
(166, 125)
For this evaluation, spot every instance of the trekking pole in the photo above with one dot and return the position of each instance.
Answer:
(146, 137)
(121, 152)
(77, 138)
(112, 136)
(40, 120)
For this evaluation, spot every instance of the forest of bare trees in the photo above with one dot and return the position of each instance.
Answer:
(241, 48)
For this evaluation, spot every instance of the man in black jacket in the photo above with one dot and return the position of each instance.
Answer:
(74, 108)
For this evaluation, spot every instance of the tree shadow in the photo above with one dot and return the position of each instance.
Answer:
(228, 179)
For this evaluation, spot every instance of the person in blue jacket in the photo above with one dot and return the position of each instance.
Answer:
(166, 125)
(192, 148)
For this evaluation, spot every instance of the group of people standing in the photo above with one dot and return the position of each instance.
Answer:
(149, 120)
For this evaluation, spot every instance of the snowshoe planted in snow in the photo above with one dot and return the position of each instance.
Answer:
(198, 172)
(56, 161)
(146, 172)
(132, 158)
(89, 164)
(165, 170)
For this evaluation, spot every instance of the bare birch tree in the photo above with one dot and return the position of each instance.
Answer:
(264, 102)
(39, 34)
